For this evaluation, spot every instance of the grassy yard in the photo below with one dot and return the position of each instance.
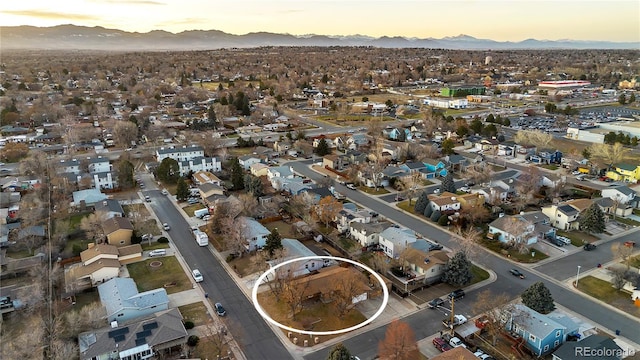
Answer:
(170, 274)
(602, 290)
(75, 219)
(86, 298)
(578, 238)
(189, 210)
(196, 313)
(15, 253)
(549, 166)
(82, 242)
(496, 246)
(479, 274)
(153, 246)
(285, 230)
(626, 221)
(372, 191)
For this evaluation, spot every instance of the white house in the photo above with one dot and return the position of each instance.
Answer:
(199, 164)
(394, 240)
(254, 233)
(247, 160)
(68, 166)
(294, 249)
(562, 216)
(346, 216)
(512, 229)
(445, 202)
(621, 194)
(367, 234)
(180, 153)
(99, 165)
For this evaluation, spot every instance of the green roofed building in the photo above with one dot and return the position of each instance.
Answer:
(458, 91)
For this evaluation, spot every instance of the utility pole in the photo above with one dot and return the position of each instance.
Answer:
(453, 300)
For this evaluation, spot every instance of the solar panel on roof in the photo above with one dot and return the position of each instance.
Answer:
(150, 326)
(116, 332)
(119, 338)
(143, 334)
(141, 341)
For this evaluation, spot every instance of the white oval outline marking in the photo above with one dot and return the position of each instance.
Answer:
(261, 278)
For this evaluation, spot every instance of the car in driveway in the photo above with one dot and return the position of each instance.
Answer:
(516, 273)
(589, 247)
(220, 311)
(157, 252)
(440, 344)
(456, 294)
(435, 303)
(565, 240)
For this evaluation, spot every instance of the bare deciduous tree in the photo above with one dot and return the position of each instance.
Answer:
(492, 307)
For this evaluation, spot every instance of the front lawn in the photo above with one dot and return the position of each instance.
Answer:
(189, 210)
(479, 274)
(552, 167)
(512, 253)
(169, 275)
(372, 191)
(154, 245)
(196, 313)
(578, 238)
(602, 290)
(285, 230)
(634, 262)
(626, 221)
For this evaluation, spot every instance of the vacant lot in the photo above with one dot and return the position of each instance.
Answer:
(169, 275)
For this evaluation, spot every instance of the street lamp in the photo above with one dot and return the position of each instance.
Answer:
(577, 276)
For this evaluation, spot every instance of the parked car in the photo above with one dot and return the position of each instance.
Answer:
(589, 247)
(220, 311)
(440, 344)
(457, 320)
(165, 192)
(516, 272)
(157, 252)
(206, 217)
(197, 276)
(166, 227)
(564, 239)
(192, 201)
(456, 294)
(147, 198)
(351, 186)
(435, 303)
(456, 342)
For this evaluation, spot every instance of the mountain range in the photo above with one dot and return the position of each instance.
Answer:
(72, 37)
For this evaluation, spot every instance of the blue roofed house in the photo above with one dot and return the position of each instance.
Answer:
(123, 302)
(254, 233)
(412, 167)
(434, 168)
(540, 333)
(88, 197)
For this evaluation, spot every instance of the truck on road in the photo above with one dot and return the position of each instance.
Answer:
(457, 320)
(201, 238)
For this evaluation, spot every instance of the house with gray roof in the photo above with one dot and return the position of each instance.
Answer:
(294, 249)
(393, 240)
(367, 234)
(140, 339)
(199, 163)
(541, 334)
(88, 197)
(521, 229)
(293, 186)
(184, 153)
(623, 195)
(277, 173)
(254, 233)
(563, 216)
(123, 302)
(109, 207)
(247, 160)
(604, 348)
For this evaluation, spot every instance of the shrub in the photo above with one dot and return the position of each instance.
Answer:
(443, 220)
(230, 257)
(193, 340)
(189, 325)
(435, 216)
(76, 249)
(428, 210)
(163, 240)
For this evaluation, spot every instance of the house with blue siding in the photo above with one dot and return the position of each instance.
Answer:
(394, 134)
(434, 168)
(412, 166)
(541, 334)
(123, 302)
(547, 157)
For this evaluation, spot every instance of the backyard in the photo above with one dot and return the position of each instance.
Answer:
(169, 274)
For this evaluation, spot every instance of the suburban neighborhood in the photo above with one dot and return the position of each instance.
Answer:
(236, 210)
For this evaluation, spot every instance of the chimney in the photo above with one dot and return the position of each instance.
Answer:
(90, 245)
(114, 324)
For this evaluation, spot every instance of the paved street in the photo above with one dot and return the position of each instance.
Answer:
(249, 329)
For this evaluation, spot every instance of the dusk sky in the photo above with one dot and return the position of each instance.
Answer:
(507, 20)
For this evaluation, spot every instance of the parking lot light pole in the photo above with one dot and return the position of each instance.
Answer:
(577, 276)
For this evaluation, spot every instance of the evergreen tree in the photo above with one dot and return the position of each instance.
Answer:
(237, 175)
(537, 297)
(592, 220)
(125, 174)
(448, 184)
(253, 185)
(435, 216)
(168, 171)
(339, 352)
(323, 148)
(211, 116)
(273, 242)
(457, 271)
(428, 210)
(182, 190)
(421, 203)
(447, 147)
(632, 98)
(622, 99)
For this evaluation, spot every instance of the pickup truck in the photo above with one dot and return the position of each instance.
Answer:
(457, 320)
(453, 341)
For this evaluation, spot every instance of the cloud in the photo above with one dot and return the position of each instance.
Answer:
(130, 2)
(50, 15)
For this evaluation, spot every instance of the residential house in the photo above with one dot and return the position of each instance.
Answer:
(259, 169)
(445, 202)
(277, 173)
(184, 153)
(293, 186)
(356, 141)
(88, 197)
(323, 284)
(424, 267)
(604, 346)
(346, 216)
(552, 180)
(199, 164)
(395, 134)
(247, 160)
(625, 172)
(139, 340)
(540, 334)
(318, 193)
(99, 263)
(123, 302)
(355, 157)
(110, 208)
(488, 145)
(456, 162)
(283, 146)
(546, 157)
(524, 152)
(68, 166)
(622, 195)
(393, 240)
(329, 142)
(118, 231)
(511, 229)
(367, 234)
(294, 249)
(254, 233)
(562, 216)
(340, 142)
(412, 167)
(505, 150)
(333, 161)
(434, 168)
(205, 177)
(457, 353)
(471, 200)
